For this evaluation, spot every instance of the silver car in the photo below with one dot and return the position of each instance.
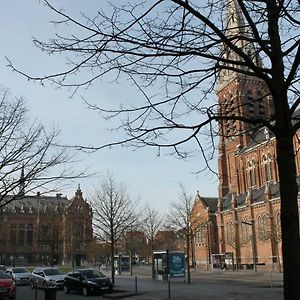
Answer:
(20, 275)
(47, 278)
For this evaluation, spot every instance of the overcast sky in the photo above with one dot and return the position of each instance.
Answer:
(154, 179)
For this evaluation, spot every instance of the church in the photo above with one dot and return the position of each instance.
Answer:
(240, 229)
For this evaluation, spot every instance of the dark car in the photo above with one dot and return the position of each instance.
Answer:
(87, 281)
(7, 286)
(47, 278)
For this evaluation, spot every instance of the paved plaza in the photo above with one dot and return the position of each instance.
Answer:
(228, 285)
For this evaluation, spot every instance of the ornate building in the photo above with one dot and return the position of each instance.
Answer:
(44, 229)
(244, 221)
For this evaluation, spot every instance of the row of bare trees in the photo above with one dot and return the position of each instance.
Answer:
(30, 161)
(116, 215)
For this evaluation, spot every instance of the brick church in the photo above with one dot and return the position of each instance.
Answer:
(45, 230)
(241, 228)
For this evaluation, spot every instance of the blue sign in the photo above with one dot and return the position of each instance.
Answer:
(176, 264)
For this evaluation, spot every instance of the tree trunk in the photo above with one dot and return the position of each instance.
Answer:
(188, 258)
(112, 258)
(289, 199)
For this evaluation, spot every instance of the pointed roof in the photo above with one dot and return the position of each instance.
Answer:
(235, 29)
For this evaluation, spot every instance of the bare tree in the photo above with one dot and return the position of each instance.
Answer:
(180, 218)
(114, 214)
(175, 52)
(29, 159)
(49, 234)
(152, 223)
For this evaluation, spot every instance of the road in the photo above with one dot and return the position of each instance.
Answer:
(205, 285)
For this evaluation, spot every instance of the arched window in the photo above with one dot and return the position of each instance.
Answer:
(229, 232)
(251, 173)
(267, 167)
(245, 230)
(200, 238)
(264, 228)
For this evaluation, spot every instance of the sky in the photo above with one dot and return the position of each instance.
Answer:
(154, 180)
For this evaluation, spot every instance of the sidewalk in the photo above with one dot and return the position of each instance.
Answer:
(217, 285)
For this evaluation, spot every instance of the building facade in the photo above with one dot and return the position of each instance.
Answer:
(245, 222)
(45, 230)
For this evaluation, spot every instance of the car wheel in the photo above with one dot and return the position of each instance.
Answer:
(85, 291)
(66, 289)
(45, 285)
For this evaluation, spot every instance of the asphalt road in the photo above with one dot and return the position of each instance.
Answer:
(205, 285)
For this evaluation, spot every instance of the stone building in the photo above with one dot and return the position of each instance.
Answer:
(45, 230)
(242, 226)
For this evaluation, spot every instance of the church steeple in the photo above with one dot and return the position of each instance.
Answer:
(235, 30)
(240, 94)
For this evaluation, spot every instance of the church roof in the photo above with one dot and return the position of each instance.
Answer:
(262, 135)
(211, 203)
(258, 195)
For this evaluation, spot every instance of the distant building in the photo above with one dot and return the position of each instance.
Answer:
(45, 230)
(241, 228)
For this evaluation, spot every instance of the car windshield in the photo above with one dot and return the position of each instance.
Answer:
(92, 274)
(50, 272)
(3, 275)
(20, 270)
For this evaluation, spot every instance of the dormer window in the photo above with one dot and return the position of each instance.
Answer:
(267, 133)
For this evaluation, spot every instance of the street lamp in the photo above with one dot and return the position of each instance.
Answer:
(253, 242)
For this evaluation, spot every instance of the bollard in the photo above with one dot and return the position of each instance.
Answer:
(50, 294)
(169, 287)
(135, 285)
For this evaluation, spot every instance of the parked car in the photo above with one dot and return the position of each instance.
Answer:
(2, 268)
(7, 286)
(20, 275)
(47, 278)
(87, 281)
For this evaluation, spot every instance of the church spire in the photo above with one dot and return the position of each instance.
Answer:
(236, 30)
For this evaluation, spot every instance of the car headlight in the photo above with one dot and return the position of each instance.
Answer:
(92, 282)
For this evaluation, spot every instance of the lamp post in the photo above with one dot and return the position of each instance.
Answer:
(253, 242)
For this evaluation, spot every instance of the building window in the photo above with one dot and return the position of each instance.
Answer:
(201, 236)
(264, 228)
(245, 231)
(229, 232)
(21, 235)
(29, 234)
(13, 234)
(267, 167)
(251, 173)
(250, 103)
(45, 232)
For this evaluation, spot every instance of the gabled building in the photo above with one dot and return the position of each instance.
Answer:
(45, 230)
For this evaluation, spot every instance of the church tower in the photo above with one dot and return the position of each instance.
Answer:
(240, 94)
